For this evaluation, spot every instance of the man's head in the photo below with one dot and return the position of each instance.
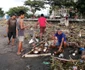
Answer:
(22, 14)
(13, 16)
(59, 31)
(42, 15)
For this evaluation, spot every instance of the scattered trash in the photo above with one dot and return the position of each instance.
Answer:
(31, 41)
(81, 61)
(61, 55)
(44, 50)
(28, 67)
(31, 28)
(73, 34)
(82, 49)
(75, 68)
(46, 63)
(35, 51)
(73, 54)
(46, 44)
(80, 34)
(37, 40)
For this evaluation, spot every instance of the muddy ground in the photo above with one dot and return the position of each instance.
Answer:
(9, 60)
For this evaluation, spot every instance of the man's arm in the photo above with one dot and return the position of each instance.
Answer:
(37, 24)
(22, 25)
(47, 23)
(8, 22)
(61, 44)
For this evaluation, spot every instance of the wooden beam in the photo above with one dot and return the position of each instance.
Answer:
(36, 55)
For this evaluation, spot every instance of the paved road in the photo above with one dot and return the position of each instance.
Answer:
(9, 60)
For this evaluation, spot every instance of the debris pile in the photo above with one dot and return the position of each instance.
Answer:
(75, 34)
(71, 57)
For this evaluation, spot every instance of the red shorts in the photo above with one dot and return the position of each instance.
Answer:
(42, 29)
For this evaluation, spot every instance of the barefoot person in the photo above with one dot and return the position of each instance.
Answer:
(21, 27)
(42, 23)
(11, 29)
(60, 39)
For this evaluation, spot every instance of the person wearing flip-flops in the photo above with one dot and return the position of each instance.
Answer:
(21, 28)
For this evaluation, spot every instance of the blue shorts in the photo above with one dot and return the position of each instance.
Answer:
(58, 43)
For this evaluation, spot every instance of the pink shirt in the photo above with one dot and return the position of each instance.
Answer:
(42, 21)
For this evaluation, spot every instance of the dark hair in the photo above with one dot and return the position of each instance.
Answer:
(42, 15)
(13, 14)
(21, 12)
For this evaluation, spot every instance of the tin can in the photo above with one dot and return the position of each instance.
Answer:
(75, 68)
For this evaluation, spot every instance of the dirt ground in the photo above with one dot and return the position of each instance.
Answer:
(9, 60)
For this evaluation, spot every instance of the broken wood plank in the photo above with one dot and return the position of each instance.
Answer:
(36, 55)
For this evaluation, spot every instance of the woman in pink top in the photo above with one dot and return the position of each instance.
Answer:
(42, 23)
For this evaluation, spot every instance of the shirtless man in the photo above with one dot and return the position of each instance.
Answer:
(21, 27)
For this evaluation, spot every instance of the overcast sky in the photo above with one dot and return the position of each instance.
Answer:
(6, 4)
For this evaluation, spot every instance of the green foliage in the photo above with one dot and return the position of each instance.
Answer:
(69, 3)
(63, 65)
(66, 3)
(15, 10)
(30, 15)
(57, 4)
(1, 12)
(81, 6)
(34, 5)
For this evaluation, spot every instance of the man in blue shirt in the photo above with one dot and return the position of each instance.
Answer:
(60, 39)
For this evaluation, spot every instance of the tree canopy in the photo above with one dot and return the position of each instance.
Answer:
(34, 5)
(76, 4)
(15, 10)
(80, 5)
(38, 4)
(1, 12)
(66, 3)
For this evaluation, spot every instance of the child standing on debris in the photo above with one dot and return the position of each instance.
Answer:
(21, 28)
(60, 39)
(42, 23)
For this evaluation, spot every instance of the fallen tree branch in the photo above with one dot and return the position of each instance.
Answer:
(68, 60)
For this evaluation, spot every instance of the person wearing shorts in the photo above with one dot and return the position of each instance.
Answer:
(21, 27)
(11, 29)
(42, 30)
(61, 39)
(42, 22)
